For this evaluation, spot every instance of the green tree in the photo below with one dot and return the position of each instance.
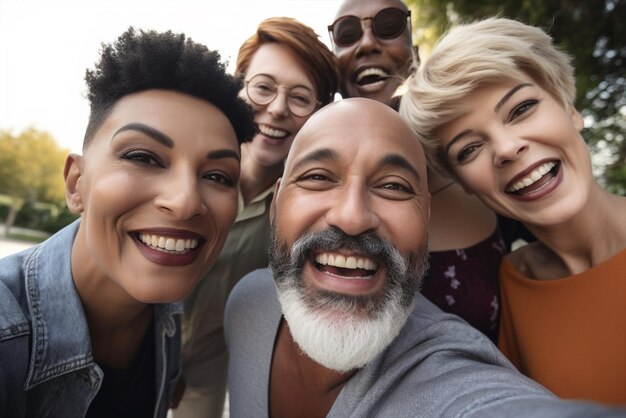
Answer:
(31, 170)
(592, 32)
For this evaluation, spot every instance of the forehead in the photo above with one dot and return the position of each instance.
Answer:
(366, 143)
(183, 117)
(280, 62)
(367, 8)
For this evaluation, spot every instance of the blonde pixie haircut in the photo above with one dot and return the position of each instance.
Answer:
(476, 54)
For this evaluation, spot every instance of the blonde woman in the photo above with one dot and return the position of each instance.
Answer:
(493, 105)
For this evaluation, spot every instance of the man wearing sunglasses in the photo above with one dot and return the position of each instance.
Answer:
(372, 41)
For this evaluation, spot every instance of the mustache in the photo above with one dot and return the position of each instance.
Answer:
(331, 239)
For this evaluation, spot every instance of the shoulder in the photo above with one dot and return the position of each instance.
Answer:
(15, 334)
(253, 302)
(252, 286)
(429, 326)
(13, 304)
(536, 261)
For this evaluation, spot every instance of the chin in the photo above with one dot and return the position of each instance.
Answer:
(342, 339)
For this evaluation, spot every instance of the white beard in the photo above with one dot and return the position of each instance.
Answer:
(339, 339)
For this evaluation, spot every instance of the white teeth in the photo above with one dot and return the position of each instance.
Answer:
(272, 132)
(168, 244)
(351, 262)
(535, 175)
(371, 71)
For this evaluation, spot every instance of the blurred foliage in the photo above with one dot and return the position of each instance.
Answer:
(32, 189)
(591, 31)
(31, 166)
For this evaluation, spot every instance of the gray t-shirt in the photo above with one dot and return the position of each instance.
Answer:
(438, 366)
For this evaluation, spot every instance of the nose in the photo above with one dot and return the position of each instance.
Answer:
(279, 108)
(507, 149)
(352, 211)
(368, 42)
(180, 196)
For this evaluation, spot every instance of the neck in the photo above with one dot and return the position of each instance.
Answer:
(256, 178)
(298, 385)
(592, 236)
(117, 322)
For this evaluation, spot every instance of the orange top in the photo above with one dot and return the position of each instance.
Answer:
(569, 334)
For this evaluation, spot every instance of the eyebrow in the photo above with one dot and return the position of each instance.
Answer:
(323, 154)
(163, 139)
(398, 161)
(149, 131)
(508, 95)
(456, 138)
(327, 154)
(290, 87)
(223, 153)
(497, 107)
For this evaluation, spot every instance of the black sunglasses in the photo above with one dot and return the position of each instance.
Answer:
(387, 24)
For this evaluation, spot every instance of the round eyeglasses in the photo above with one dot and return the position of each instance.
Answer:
(387, 24)
(263, 89)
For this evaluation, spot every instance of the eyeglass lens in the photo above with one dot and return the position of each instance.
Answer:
(388, 23)
(262, 90)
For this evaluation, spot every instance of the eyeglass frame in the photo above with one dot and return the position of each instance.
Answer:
(332, 35)
(278, 86)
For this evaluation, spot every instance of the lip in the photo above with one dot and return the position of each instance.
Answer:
(169, 259)
(375, 86)
(544, 190)
(337, 284)
(272, 140)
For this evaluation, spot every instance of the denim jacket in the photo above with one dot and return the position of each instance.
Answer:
(46, 365)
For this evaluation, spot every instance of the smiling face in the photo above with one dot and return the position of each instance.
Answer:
(520, 151)
(276, 124)
(350, 224)
(157, 191)
(373, 67)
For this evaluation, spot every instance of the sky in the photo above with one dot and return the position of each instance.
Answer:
(46, 46)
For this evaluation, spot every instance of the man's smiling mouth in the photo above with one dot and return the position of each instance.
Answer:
(371, 75)
(348, 267)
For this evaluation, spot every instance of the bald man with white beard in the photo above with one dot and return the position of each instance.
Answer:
(338, 327)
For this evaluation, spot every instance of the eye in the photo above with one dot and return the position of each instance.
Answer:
(300, 100)
(314, 177)
(467, 151)
(394, 189)
(301, 97)
(142, 157)
(316, 180)
(220, 178)
(264, 89)
(397, 187)
(521, 109)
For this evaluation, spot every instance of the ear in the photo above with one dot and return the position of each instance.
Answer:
(577, 119)
(416, 56)
(72, 173)
(273, 205)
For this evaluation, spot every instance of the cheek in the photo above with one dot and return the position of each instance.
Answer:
(115, 191)
(303, 213)
(222, 209)
(298, 123)
(400, 222)
(400, 54)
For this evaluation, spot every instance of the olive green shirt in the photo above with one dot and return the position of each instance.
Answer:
(204, 350)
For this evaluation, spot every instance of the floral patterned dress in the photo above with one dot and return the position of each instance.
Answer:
(465, 282)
